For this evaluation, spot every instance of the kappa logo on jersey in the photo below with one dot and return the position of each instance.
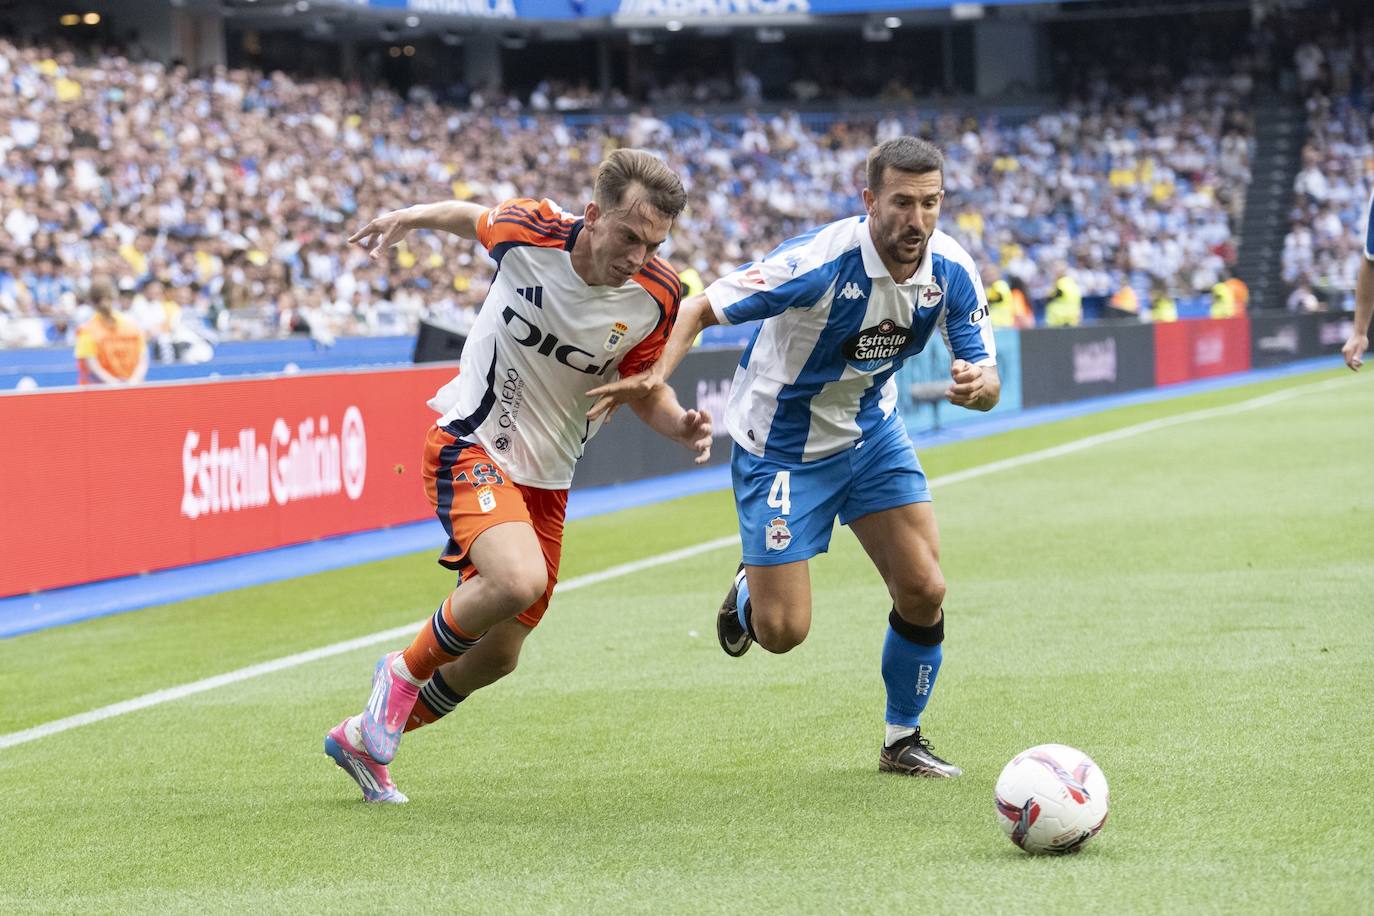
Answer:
(778, 535)
(931, 295)
(613, 339)
(534, 295)
(851, 291)
(877, 344)
(528, 334)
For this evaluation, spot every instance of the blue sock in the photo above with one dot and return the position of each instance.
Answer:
(911, 660)
(743, 608)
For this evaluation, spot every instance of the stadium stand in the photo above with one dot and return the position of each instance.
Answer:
(104, 172)
(1322, 250)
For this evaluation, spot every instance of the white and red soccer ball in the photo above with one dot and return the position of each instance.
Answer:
(1051, 798)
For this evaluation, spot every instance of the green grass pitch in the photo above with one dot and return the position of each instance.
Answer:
(1193, 605)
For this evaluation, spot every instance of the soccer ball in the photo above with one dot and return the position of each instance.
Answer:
(1051, 798)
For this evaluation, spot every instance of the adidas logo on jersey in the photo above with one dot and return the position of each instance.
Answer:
(534, 295)
(851, 291)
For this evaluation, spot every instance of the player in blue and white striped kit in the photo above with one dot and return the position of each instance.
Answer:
(815, 429)
(1355, 345)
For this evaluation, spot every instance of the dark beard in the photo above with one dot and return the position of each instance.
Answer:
(894, 249)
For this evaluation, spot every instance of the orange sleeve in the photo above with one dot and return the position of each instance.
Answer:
(660, 281)
(524, 221)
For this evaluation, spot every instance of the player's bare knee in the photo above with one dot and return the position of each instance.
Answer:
(919, 601)
(518, 587)
(916, 589)
(779, 635)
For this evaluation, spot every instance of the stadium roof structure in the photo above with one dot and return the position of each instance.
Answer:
(573, 18)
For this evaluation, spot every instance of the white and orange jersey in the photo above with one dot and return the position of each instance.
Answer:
(543, 338)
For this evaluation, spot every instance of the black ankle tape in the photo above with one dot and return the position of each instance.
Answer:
(932, 635)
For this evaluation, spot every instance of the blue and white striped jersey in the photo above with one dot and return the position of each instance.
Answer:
(818, 373)
(1369, 229)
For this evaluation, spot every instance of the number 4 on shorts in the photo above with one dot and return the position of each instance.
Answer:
(780, 496)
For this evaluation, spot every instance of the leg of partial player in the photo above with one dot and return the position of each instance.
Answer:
(491, 659)
(770, 605)
(904, 544)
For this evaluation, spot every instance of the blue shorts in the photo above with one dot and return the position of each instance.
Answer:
(787, 510)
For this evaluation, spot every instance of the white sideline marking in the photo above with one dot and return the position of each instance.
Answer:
(158, 697)
(169, 694)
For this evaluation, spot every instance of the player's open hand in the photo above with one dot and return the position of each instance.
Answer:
(967, 389)
(622, 391)
(696, 433)
(380, 234)
(1353, 351)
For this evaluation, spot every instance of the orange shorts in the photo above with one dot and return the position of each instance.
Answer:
(470, 493)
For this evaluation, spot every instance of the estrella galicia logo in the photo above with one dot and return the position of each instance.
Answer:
(874, 346)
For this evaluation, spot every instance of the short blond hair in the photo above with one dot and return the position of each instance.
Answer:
(625, 167)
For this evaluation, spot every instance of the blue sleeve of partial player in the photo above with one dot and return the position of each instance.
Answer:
(765, 289)
(967, 324)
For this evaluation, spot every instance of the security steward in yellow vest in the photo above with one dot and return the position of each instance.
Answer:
(1065, 309)
(1223, 300)
(1000, 307)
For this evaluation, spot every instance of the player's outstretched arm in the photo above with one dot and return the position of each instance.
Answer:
(456, 216)
(662, 413)
(693, 317)
(974, 387)
(1356, 344)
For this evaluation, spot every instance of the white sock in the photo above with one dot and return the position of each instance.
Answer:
(353, 731)
(398, 668)
(896, 733)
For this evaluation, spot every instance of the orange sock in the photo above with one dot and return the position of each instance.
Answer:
(420, 716)
(439, 642)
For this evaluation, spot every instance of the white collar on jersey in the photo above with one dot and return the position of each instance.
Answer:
(876, 269)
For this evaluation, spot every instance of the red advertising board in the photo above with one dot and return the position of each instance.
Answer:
(1200, 348)
(99, 483)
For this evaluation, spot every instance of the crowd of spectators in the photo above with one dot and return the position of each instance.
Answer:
(1322, 250)
(224, 199)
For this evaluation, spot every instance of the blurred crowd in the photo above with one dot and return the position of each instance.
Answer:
(218, 204)
(1322, 251)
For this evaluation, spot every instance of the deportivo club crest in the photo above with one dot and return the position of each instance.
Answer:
(777, 536)
(613, 339)
(930, 296)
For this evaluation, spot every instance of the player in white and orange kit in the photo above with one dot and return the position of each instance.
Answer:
(577, 301)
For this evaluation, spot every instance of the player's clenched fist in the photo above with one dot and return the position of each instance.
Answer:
(967, 389)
